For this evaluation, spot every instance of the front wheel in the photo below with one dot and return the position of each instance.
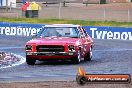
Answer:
(81, 80)
(30, 61)
(77, 60)
(89, 55)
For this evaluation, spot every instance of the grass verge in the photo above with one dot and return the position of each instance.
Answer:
(60, 21)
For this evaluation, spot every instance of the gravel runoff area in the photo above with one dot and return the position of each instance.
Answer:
(10, 60)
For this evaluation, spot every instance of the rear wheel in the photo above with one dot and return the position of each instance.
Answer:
(77, 60)
(30, 61)
(89, 55)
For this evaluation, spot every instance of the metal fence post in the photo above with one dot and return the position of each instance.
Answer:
(64, 3)
(87, 3)
(60, 9)
(17, 15)
(10, 5)
(104, 14)
(128, 15)
(7, 5)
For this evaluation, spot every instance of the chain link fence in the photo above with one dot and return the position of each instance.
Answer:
(75, 11)
(82, 12)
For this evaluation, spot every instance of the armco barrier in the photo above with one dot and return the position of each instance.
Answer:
(98, 32)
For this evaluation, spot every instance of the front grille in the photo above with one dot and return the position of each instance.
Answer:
(50, 48)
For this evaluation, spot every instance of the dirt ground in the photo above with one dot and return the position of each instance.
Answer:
(65, 84)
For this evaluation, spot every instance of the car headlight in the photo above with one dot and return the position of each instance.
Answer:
(28, 47)
(71, 47)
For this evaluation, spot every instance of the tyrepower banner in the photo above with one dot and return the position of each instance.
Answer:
(97, 32)
(16, 29)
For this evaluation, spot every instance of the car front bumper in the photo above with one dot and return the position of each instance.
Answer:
(50, 55)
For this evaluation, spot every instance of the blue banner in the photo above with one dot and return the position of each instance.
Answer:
(19, 29)
(98, 32)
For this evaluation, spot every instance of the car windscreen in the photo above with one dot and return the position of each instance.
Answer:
(59, 32)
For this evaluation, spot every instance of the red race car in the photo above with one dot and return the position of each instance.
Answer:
(60, 42)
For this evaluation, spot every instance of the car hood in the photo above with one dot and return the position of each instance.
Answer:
(53, 41)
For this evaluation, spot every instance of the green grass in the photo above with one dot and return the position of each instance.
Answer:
(59, 21)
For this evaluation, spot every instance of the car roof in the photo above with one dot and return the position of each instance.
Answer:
(62, 25)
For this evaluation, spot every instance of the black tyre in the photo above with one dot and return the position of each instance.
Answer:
(81, 80)
(77, 60)
(30, 61)
(89, 55)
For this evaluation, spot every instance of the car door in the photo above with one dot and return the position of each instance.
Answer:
(84, 43)
(88, 41)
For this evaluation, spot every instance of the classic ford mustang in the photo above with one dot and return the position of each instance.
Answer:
(60, 42)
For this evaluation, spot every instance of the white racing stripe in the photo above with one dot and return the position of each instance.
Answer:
(22, 60)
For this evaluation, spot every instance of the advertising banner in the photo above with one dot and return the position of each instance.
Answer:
(97, 32)
(17, 29)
